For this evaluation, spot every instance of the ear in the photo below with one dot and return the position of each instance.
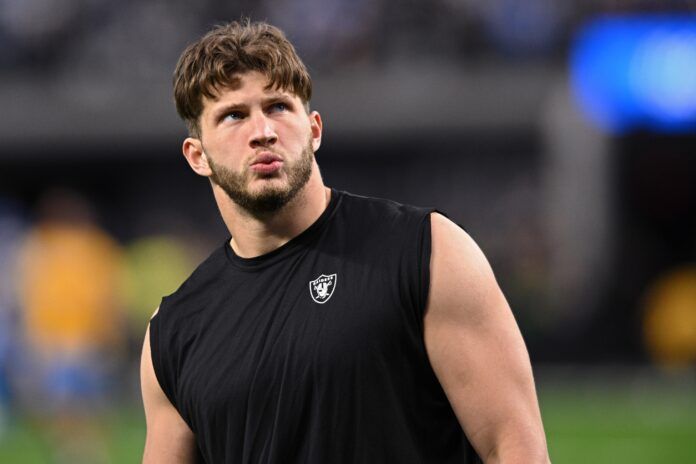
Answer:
(316, 128)
(196, 157)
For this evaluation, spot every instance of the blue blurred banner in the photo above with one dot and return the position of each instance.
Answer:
(637, 72)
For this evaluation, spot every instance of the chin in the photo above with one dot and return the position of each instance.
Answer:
(270, 185)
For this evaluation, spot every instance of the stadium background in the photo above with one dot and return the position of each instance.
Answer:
(497, 112)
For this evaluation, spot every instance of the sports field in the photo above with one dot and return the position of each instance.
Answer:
(595, 422)
(620, 424)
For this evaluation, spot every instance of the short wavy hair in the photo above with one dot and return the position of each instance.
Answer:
(216, 60)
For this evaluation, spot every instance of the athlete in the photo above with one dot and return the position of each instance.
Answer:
(329, 328)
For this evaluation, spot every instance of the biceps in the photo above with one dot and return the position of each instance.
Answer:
(486, 375)
(481, 367)
(473, 342)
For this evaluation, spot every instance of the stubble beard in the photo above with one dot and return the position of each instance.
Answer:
(271, 198)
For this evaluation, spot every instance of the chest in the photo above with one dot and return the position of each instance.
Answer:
(278, 340)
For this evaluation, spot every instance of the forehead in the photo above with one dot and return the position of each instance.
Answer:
(243, 89)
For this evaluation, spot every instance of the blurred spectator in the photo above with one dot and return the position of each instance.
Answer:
(12, 228)
(670, 318)
(35, 32)
(523, 28)
(69, 281)
(133, 40)
(72, 323)
(328, 31)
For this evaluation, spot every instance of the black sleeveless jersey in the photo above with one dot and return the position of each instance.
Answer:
(314, 352)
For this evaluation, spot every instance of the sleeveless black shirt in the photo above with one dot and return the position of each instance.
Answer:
(314, 352)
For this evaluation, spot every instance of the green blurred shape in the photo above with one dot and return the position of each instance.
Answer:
(20, 443)
(124, 427)
(155, 266)
(617, 425)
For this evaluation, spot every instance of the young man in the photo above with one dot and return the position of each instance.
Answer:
(330, 328)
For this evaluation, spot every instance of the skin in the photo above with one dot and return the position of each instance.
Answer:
(477, 352)
(473, 342)
(251, 125)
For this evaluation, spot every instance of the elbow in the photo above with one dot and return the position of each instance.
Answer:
(518, 456)
(526, 452)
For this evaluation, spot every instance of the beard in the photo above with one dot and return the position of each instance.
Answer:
(271, 198)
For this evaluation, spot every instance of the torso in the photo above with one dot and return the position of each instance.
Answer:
(313, 352)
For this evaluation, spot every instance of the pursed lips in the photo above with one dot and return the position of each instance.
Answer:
(265, 158)
(266, 163)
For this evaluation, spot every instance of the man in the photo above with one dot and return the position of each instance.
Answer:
(329, 328)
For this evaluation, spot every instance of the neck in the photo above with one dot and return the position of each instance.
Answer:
(257, 235)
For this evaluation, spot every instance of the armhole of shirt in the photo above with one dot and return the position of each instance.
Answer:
(156, 354)
(424, 252)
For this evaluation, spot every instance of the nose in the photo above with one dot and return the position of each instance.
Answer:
(263, 134)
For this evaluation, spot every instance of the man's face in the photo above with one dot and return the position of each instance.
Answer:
(259, 143)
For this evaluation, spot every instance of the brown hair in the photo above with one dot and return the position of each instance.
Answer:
(216, 60)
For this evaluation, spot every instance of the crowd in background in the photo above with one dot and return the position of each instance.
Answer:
(100, 36)
(73, 306)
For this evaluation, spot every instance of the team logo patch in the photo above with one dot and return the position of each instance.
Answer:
(322, 288)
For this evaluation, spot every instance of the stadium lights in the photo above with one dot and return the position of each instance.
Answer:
(637, 72)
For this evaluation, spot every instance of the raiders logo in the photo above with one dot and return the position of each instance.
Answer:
(322, 288)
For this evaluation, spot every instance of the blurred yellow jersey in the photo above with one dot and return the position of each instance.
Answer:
(69, 289)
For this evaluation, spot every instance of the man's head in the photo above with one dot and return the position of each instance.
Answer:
(244, 94)
(215, 62)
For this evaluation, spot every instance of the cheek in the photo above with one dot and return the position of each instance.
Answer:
(299, 134)
(226, 146)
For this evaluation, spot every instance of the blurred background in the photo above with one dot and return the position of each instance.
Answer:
(560, 135)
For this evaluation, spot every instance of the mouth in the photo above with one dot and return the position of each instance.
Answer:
(266, 163)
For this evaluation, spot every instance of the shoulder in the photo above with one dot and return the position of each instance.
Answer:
(382, 212)
(453, 242)
(462, 281)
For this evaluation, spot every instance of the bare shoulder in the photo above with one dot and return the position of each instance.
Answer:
(449, 235)
(462, 280)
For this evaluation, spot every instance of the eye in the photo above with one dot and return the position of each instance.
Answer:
(278, 107)
(234, 116)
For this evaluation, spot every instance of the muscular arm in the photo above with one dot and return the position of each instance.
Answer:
(168, 439)
(478, 354)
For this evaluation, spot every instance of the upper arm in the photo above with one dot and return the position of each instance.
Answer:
(477, 352)
(168, 439)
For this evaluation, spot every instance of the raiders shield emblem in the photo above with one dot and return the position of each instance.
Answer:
(322, 288)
